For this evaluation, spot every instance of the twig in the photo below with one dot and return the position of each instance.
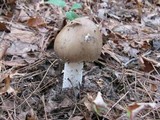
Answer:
(9, 115)
(38, 84)
(130, 72)
(43, 101)
(117, 102)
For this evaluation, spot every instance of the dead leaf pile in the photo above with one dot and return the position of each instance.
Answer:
(124, 80)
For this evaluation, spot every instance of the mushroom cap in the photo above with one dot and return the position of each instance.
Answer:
(80, 40)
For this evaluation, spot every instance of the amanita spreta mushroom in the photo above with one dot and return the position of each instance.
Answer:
(80, 40)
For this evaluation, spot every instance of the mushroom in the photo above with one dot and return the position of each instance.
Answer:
(80, 40)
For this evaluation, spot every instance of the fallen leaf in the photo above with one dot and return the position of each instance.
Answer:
(3, 48)
(127, 49)
(36, 22)
(139, 4)
(11, 74)
(124, 29)
(154, 62)
(12, 91)
(21, 35)
(15, 63)
(11, 1)
(65, 103)
(31, 115)
(145, 65)
(3, 27)
(88, 102)
(99, 106)
(23, 16)
(131, 108)
(21, 48)
(5, 88)
(135, 108)
(100, 82)
(154, 87)
(105, 49)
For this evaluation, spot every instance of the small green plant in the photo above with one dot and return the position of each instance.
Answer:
(70, 15)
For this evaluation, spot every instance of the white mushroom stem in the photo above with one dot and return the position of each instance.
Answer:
(72, 75)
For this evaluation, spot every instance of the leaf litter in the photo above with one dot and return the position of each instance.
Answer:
(124, 80)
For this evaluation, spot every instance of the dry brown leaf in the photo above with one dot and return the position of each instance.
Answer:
(3, 27)
(88, 101)
(11, 1)
(145, 65)
(14, 63)
(12, 91)
(100, 82)
(50, 105)
(31, 115)
(124, 29)
(135, 108)
(36, 22)
(154, 62)
(11, 74)
(21, 35)
(96, 104)
(3, 48)
(154, 87)
(105, 49)
(7, 81)
(21, 48)
(139, 4)
(139, 7)
(88, 104)
(144, 45)
(66, 102)
(23, 16)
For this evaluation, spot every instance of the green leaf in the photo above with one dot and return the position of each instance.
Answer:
(128, 114)
(60, 3)
(96, 110)
(71, 15)
(76, 6)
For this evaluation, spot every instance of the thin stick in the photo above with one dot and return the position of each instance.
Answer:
(117, 102)
(38, 84)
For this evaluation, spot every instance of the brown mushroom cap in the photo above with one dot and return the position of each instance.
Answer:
(80, 40)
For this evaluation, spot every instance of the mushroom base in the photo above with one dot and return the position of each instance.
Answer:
(72, 75)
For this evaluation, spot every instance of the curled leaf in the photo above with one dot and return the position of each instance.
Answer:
(99, 106)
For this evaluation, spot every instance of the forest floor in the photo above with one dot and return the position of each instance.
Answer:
(127, 74)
